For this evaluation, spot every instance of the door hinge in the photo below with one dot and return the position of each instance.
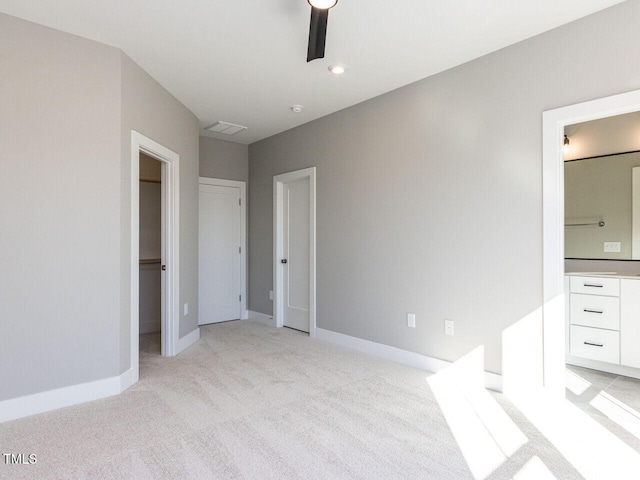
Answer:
(240, 201)
(239, 249)
(239, 298)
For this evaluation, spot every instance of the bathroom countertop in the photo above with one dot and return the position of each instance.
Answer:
(604, 274)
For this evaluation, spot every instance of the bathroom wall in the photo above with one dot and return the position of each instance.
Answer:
(620, 133)
(605, 136)
(599, 189)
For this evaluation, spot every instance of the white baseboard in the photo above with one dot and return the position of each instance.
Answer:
(245, 315)
(492, 381)
(20, 407)
(188, 340)
(15, 408)
(128, 378)
(262, 318)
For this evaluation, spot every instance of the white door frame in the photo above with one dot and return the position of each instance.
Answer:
(554, 122)
(170, 162)
(278, 244)
(219, 182)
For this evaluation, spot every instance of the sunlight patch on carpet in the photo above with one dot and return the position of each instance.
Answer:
(486, 435)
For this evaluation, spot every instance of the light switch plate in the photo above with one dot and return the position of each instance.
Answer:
(186, 309)
(613, 247)
(411, 320)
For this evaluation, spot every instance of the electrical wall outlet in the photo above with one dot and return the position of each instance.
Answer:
(612, 247)
(411, 320)
(270, 294)
(448, 327)
(186, 309)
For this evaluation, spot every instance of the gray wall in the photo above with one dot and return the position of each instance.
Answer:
(59, 209)
(430, 197)
(152, 111)
(222, 159)
(66, 112)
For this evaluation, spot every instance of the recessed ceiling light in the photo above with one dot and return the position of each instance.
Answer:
(337, 69)
(296, 108)
(323, 4)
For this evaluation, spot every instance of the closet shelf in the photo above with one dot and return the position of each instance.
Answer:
(149, 261)
(150, 180)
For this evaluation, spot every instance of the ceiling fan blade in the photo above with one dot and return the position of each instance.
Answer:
(317, 33)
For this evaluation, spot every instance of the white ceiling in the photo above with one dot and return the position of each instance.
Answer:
(244, 61)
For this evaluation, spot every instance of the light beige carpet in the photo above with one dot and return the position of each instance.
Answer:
(253, 402)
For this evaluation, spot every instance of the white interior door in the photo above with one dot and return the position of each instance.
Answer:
(219, 250)
(296, 255)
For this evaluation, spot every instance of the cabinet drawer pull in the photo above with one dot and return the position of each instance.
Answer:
(595, 285)
(592, 311)
(594, 344)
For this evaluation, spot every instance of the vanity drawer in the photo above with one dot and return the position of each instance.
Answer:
(595, 311)
(595, 343)
(595, 286)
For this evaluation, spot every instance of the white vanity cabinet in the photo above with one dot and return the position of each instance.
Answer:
(630, 322)
(604, 319)
(594, 318)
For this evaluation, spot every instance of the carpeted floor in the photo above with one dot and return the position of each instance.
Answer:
(253, 402)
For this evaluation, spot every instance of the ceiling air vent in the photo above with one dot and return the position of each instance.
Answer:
(226, 128)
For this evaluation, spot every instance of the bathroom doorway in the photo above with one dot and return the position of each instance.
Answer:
(554, 282)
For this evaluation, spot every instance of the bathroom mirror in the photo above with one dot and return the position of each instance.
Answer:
(599, 197)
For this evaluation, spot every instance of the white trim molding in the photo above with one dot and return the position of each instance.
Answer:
(492, 381)
(278, 244)
(219, 182)
(127, 379)
(262, 318)
(25, 406)
(170, 244)
(171, 344)
(553, 123)
(188, 340)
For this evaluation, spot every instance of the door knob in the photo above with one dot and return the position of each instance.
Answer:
(284, 260)
(164, 267)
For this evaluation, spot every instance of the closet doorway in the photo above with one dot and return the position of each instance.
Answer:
(150, 279)
(169, 248)
(221, 251)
